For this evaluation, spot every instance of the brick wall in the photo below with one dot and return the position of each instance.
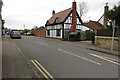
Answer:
(40, 32)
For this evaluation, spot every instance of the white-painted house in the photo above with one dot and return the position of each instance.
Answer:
(59, 25)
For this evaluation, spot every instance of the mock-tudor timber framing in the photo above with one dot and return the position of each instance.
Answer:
(62, 22)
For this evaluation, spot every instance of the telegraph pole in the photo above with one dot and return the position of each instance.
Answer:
(24, 27)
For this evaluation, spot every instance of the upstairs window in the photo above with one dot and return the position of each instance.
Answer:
(57, 20)
(47, 23)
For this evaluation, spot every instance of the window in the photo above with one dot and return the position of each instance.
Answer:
(48, 32)
(58, 32)
(47, 23)
(57, 20)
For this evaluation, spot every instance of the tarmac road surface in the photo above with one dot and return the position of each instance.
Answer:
(60, 59)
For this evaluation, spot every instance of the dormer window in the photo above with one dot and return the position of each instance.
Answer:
(57, 20)
(47, 23)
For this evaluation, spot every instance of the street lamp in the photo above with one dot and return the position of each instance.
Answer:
(113, 34)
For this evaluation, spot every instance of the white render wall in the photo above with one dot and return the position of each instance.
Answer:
(53, 31)
(83, 28)
(59, 26)
(78, 26)
(53, 34)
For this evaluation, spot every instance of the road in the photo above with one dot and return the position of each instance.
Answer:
(59, 58)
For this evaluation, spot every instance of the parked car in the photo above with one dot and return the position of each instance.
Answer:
(15, 34)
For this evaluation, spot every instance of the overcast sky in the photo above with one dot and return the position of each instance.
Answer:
(36, 12)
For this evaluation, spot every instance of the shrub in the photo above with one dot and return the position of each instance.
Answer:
(89, 35)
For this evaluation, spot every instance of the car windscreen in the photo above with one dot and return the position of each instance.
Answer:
(16, 32)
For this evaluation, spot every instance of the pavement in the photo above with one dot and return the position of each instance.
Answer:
(14, 64)
(89, 45)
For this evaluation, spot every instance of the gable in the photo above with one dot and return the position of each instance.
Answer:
(68, 19)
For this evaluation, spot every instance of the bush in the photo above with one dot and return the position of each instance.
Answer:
(82, 35)
(89, 35)
(30, 34)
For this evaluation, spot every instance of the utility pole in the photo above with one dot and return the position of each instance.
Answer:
(24, 27)
(112, 44)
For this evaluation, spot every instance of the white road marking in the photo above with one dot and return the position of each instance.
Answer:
(79, 56)
(112, 59)
(103, 58)
(19, 50)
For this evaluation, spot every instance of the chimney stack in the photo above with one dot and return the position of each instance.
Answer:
(106, 8)
(53, 12)
(73, 27)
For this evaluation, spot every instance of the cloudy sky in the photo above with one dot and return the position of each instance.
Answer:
(36, 12)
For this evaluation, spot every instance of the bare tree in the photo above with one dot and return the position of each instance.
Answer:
(82, 7)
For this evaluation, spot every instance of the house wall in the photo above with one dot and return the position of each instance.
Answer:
(105, 42)
(68, 22)
(69, 19)
(53, 34)
(53, 31)
(78, 27)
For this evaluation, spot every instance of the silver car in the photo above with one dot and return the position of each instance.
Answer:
(15, 34)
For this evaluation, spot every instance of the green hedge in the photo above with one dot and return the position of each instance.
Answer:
(82, 35)
(89, 35)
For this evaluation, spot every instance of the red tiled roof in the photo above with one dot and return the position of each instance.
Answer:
(60, 15)
(94, 25)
